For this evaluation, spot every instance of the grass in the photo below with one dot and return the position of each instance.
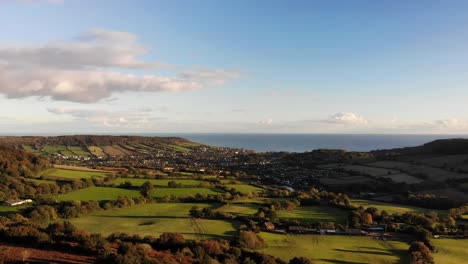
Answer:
(393, 208)
(181, 192)
(79, 151)
(97, 194)
(450, 251)
(54, 149)
(310, 214)
(335, 249)
(96, 151)
(154, 219)
(5, 210)
(72, 174)
(30, 149)
(159, 182)
(240, 208)
(245, 188)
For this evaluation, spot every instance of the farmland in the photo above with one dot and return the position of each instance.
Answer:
(245, 188)
(153, 219)
(335, 249)
(71, 174)
(240, 208)
(450, 251)
(158, 182)
(390, 207)
(310, 214)
(96, 194)
(182, 192)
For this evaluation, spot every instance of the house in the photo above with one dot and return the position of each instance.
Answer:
(16, 202)
(376, 229)
(269, 226)
(325, 231)
(353, 232)
(299, 229)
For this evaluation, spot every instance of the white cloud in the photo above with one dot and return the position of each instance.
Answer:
(127, 119)
(92, 67)
(266, 122)
(346, 118)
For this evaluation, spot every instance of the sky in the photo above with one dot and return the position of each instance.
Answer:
(88, 66)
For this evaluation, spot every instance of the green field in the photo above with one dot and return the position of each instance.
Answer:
(4, 209)
(392, 208)
(245, 188)
(240, 208)
(31, 149)
(182, 192)
(336, 249)
(159, 182)
(450, 251)
(97, 194)
(154, 219)
(72, 174)
(79, 151)
(310, 214)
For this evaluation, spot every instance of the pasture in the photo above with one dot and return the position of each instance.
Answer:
(392, 207)
(240, 208)
(96, 151)
(96, 194)
(395, 175)
(71, 174)
(450, 251)
(184, 192)
(154, 219)
(158, 182)
(310, 214)
(335, 249)
(245, 188)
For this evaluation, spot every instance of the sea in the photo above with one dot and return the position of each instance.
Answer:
(309, 142)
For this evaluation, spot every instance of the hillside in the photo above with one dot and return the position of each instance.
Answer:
(17, 162)
(97, 146)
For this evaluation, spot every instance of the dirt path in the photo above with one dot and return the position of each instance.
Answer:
(198, 229)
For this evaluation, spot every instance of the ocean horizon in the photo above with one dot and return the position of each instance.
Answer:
(265, 142)
(309, 142)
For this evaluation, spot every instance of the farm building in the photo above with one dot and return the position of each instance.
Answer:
(353, 232)
(17, 202)
(300, 229)
(269, 226)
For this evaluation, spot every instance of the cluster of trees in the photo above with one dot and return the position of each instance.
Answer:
(427, 201)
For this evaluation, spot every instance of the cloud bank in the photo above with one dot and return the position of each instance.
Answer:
(92, 67)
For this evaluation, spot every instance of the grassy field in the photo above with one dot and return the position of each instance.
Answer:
(111, 151)
(154, 219)
(309, 214)
(79, 151)
(96, 151)
(450, 251)
(391, 207)
(4, 209)
(240, 208)
(245, 188)
(159, 182)
(97, 194)
(181, 192)
(72, 174)
(336, 249)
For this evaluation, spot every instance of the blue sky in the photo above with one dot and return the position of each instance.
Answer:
(233, 66)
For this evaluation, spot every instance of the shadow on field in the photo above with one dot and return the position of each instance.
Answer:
(143, 216)
(366, 252)
(342, 261)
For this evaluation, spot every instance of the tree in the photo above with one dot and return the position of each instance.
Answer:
(251, 240)
(300, 260)
(420, 253)
(146, 189)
